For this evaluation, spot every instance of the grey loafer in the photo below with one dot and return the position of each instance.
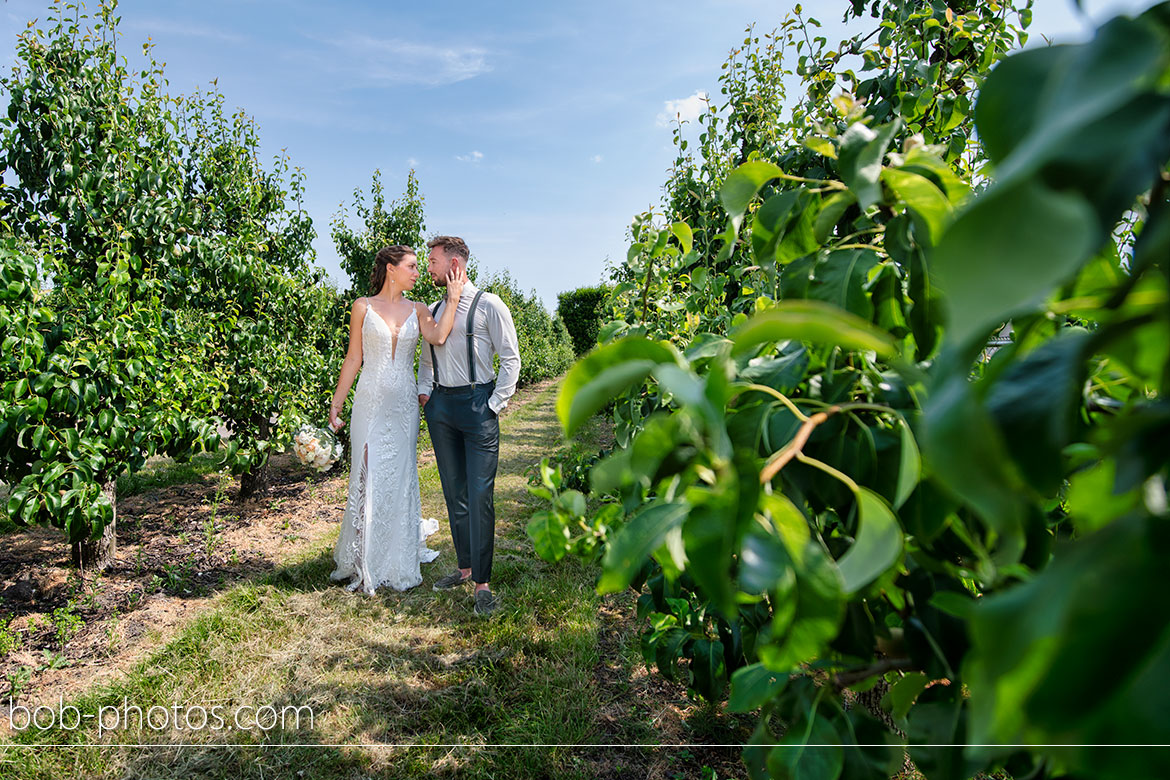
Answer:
(452, 580)
(485, 603)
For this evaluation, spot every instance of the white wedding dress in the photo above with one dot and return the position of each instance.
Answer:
(383, 533)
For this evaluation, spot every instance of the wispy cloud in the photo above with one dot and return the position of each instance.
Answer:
(474, 157)
(595, 158)
(411, 162)
(385, 61)
(171, 27)
(685, 110)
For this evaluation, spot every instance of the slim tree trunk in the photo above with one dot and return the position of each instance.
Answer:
(254, 482)
(98, 554)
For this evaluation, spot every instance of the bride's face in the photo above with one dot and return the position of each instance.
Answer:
(405, 274)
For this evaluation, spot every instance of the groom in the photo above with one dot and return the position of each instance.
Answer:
(462, 400)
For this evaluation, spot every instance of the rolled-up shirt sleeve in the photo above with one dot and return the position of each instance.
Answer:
(502, 331)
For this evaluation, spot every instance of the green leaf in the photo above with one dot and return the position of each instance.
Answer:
(572, 502)
(764, 562)
(549, 536)
(909, 467)
(686, 239)
(981, 470)
(1036, 404)
(753, 686)
(830, 213)
(861, 155)
(605, 374)
(635, 543)
(1037, 104)
(742, 185)
(1007, 253)
(811, 321)
(808, 751)
(708, 670)
(684, 387)
(954, 604)
(1093, 501)
(923, 198)
(1092, 614)
(821, 145)
(903, 694)
(878, 545)
(840, 279)
(818, 607)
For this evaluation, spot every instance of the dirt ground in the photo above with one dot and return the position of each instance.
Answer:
(177, 547)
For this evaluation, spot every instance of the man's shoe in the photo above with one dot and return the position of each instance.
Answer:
(452, 580)
(485, 603)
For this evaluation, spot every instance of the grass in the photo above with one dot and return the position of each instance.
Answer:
(161, 473)
(167, 472)
(415, 668)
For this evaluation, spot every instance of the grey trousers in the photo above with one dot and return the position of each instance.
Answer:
(465, 433)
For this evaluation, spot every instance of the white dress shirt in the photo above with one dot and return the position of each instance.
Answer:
(495, 334)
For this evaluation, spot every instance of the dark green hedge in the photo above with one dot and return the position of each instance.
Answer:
(545, 348)
(581, 311)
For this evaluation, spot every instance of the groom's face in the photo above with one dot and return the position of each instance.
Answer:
(438, 265)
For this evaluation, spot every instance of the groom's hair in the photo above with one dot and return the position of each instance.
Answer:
(452, 246)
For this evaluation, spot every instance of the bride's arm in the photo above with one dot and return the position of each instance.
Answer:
(350, 366)
(437, 332)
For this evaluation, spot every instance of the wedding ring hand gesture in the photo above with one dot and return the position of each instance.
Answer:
(456, 278)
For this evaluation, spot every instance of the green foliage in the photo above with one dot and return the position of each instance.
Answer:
(9, 637)
(156, 279)
(545, 348)
(581, 310)
(402, 222)
(820, 484)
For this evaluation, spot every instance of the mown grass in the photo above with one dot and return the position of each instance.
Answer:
(415, 668)
(169, 472)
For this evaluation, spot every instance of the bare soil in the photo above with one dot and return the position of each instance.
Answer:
(177, 547)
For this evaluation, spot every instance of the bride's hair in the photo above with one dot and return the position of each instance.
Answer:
(387, 255)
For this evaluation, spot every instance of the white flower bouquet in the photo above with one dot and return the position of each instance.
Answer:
(317, 448)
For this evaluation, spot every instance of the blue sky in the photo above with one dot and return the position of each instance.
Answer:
(537, 130)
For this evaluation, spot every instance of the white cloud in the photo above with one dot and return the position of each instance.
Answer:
(387, 61)
(685, 110)
(596, 158)
(474, 157)
(172, 27)
(411, 162)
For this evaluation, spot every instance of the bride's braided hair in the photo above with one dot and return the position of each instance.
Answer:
(387, 255)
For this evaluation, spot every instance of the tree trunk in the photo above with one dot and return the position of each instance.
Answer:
(94, 555)
(254, 482)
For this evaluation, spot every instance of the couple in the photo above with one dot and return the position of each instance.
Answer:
(383, 534)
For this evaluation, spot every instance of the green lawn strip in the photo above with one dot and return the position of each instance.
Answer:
(167, 472)
(415, 667)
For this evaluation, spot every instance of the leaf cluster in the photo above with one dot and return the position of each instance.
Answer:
(823, 483)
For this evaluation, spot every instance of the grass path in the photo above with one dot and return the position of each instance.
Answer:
(415, 668)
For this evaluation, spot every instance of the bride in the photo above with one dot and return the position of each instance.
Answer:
(383, 533)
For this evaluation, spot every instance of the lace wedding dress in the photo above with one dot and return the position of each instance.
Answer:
(383, 533)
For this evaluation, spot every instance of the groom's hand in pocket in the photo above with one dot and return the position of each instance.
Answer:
(422, 400)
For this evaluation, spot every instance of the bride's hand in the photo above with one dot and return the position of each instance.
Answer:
(456, 278)
(335, 421)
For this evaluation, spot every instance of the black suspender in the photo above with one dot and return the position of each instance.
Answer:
(470, 343)
(471, 338)
(434, 362)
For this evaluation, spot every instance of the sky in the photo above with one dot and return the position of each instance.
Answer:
(536, 130)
